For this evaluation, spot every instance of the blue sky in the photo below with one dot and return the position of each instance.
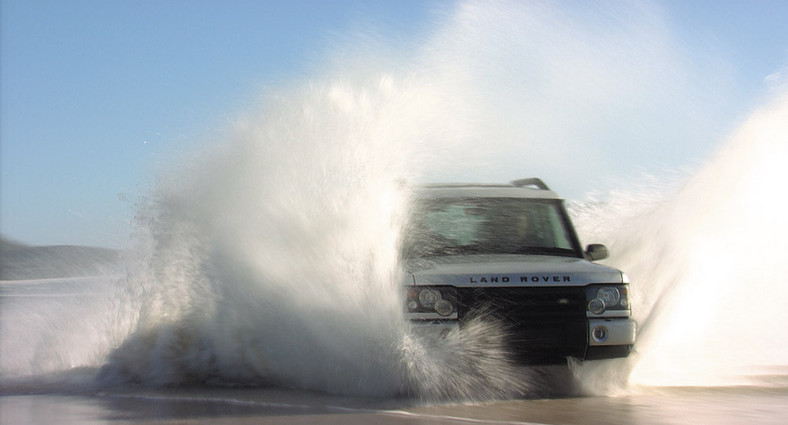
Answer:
(96, 95)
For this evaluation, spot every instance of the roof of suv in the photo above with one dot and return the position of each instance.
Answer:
(523, 188)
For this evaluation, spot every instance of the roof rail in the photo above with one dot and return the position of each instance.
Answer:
(532, 181)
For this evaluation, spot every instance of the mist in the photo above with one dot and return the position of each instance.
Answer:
(269, 255)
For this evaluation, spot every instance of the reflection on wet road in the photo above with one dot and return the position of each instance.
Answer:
(272, 406)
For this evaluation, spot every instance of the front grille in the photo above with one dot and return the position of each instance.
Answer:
(525, 304)
(544, 325)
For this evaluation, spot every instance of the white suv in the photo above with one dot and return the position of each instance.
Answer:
(511, 254)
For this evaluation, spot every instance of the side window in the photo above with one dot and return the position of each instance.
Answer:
(560, 237)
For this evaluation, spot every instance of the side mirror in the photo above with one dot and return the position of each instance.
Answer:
(596, 252)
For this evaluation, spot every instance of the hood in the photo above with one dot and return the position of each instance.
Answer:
(508, 270)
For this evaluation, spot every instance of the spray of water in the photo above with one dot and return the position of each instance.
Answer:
(707, 262)
(271, 256)
(273, 260)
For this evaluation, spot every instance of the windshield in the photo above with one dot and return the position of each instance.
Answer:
(488, 226)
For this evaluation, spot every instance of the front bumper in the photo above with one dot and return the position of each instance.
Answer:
(553, 343)
(603, 332)
(434, 328)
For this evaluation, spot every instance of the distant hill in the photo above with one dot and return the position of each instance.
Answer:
(19, 261)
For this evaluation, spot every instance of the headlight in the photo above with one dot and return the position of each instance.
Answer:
(428, 297)
(607, 298)
(596, 306)
(444, 308)
(609, 295)
(413, 305)
(440, 299)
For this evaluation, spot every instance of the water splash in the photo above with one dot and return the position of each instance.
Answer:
(271, 257)
(706, 258)
(274, 260)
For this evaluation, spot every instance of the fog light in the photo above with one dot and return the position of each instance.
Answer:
(444, 308)
(600, 334)
(413, 305)
(596, 306)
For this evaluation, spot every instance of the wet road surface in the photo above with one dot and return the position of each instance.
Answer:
(274, 406)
